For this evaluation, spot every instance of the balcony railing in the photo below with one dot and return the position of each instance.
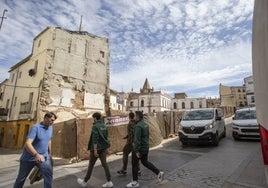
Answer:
(3, 111)
(25, 108)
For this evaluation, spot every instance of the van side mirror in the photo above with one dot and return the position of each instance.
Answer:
(218, 118)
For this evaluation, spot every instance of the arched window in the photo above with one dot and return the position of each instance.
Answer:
(183, 105)
(142, 103)
(192, 105)
(174, 105)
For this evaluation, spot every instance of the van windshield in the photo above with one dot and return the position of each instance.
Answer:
(249, 114)
(198, 115)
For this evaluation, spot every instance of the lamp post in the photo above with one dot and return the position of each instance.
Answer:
(2, 18)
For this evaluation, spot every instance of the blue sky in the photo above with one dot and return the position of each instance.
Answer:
(179, 45)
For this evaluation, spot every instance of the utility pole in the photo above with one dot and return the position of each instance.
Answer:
(2, 18)
(80, 27)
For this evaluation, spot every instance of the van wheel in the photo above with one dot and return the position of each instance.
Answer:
(216, 140)
(183, 143)
(236, 137)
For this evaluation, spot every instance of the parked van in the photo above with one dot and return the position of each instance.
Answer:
(202, 125)
(245, 124)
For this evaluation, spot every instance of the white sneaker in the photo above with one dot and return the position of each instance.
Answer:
(160, 176)
(108, 184)
(133, 184)
(81, 182)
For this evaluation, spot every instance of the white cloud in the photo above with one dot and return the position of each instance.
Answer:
(179, 45)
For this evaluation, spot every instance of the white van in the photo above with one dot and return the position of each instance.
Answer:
(245, 124)
(202, 125)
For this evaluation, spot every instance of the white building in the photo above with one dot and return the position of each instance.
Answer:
(249, 84)
(148, 100)
(182, 102)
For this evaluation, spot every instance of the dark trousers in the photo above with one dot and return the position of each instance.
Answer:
(144, 160)
(92, 161)
(126, 151)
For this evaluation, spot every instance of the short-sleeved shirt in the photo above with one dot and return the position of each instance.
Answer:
(41, 136)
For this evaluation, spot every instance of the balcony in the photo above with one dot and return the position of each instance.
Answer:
(3, 114)
(25, 108)
(3, 111)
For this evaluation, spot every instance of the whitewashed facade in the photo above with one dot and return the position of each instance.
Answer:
(182, 102)
(148, 100)
(249, 84)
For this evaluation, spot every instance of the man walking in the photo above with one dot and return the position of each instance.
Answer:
(36, 152)
(129, 144)
(141, 150)
(98, 146)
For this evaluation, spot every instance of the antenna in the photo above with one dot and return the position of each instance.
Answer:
(80, 27)
(2, 18)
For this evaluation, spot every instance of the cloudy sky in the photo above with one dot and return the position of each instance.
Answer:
(179, 45)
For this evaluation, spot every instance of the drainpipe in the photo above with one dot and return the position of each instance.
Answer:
(76, 126)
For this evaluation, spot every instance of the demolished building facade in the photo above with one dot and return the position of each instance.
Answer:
(67, 72)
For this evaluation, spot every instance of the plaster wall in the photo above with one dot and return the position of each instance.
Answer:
(77, 71)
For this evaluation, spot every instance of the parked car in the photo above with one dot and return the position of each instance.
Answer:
(245, 124)
(202, 125)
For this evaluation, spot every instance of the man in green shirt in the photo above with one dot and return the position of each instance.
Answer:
(98, 146)
(140, 150)
(129, 144)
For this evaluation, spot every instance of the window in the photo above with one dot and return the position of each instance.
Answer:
(69, 45)
(15, 101)
(12, 77)
(102, 54)
(252, 99)
(142, 103)
(20, 74)
(131, 103)
(7, 104)
(200, 104)
(39, 43)
(36, 65)
(30, 102)
(192, 105)
(174, 105)
(183, 105)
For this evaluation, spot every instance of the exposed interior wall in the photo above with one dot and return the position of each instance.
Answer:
(76, 75)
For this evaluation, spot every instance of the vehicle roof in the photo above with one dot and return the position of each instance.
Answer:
(246, 109)
(202, 109)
